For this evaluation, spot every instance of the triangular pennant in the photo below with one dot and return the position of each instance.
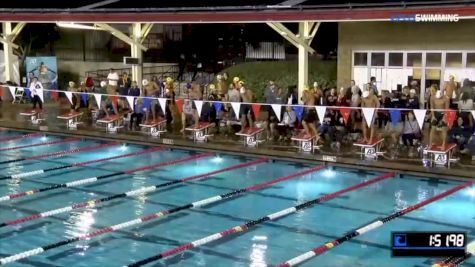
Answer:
(450, 117)
(217, 106)
(345, 113)
(298, 112)
(236, 107)
(28, 92)
(368, 114)
(179, 104)
(395, 115)
(420, 115)
(130, 100)
(163, 104)
(12, 90)
(69, 95)
(39, 92)
(256, 108)
(277, 110)
(98, 98)
(114, 99)
(54, 95)
(84, 98)
(321, 110)
(199, 106)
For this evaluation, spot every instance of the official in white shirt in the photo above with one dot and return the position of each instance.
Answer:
(36, 89)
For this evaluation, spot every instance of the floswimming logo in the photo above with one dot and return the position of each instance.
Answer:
(426, 18)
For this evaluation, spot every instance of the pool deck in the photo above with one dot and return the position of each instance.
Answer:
(346, 157)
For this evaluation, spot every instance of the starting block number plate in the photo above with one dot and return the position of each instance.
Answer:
(370, 152)
(306, 146)
(200, 136)
(251, 141)
(440, 158)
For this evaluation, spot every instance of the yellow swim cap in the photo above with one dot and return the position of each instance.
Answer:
(211, 87)
(169, 80)
(236, 79)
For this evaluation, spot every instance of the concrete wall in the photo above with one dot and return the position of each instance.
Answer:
(399, 36)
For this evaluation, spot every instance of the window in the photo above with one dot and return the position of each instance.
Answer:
(395, 60)
(453, 60)
(414, 59)
(377, 59)
(470, 60)
(433, 59)
(360, 59)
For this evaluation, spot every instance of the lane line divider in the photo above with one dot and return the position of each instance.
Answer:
(7, 139)
(79, 164)
(62, 153)
(139, 191)
(456, 261)
(200, 203)
(101, 177)
(55, 142)
(368, 227)
(246, 226)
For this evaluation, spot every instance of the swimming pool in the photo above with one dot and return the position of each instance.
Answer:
(78, 171)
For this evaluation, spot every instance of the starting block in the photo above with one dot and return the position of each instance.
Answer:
(370, 150)
(251, 136)
(35, 116)
(155, 128)
(306, 142)
(113, 123)
(200, 131)
(72, 119)
(441, 156)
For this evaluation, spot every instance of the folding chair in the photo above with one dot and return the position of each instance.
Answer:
(18, 97)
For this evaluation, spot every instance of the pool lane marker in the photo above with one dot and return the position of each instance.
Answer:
(371, 226)
(456, 261)
(62, 153)
(55, 142)
(79, 164)
(246, 226)
(102, 177)
(200, 203)
(7, 139)
(139, 191)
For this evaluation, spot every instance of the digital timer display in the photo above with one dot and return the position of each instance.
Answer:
(428, 244)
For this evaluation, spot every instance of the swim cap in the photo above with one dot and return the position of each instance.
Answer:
(103, 83)
(211, 87)
(236, 79)
(72, 84)
(144, 82)
(169, 80)
(412, 91)
(241, 82)
(219, 77)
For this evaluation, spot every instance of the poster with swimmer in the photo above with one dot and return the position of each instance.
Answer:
(45, 69)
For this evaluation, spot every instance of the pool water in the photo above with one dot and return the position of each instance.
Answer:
(267, 244)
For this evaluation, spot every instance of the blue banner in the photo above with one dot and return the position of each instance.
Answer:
(43, 68)
(298, 112)
(395, 116)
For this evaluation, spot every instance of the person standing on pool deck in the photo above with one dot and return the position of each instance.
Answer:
(246, 109)
(36, 88)
(441, 102)
(310, 115)
(369, 100)
(150, 89)
(195, 94)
